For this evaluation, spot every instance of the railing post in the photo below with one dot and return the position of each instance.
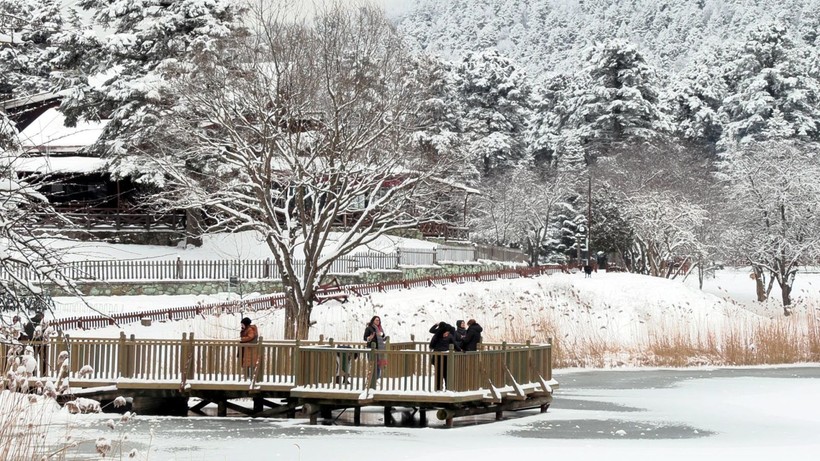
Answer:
(504, 360)
(530, 378)
(121, 357)
(296, 378)
(131, 356)
(190, 357)
(398, 257)
(179, 268)
(183, 356)
(549, 359)
(260, 359)
(451, 353)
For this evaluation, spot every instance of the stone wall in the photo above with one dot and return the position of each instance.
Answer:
(208, 287)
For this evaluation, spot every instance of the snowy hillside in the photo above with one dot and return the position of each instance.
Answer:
(608, 319)
(547, 35)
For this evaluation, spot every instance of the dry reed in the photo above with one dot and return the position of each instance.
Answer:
(781, 340)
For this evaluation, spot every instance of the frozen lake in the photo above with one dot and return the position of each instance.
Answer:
(753, 413)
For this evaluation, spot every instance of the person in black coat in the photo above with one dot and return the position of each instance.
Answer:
(443, 337)
(473, 336)
(461, 330)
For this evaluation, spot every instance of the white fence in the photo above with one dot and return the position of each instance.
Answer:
(180, 269)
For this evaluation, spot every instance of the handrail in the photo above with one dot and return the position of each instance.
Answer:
(288, 364)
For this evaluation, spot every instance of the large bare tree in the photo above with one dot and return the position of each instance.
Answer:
(301, 131)
(774, 210)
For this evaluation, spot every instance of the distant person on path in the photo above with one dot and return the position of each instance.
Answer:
(34, 333)
(374, 336)
(587, 270)
(249, 336)
(461, 330)
(31, 328)
(473, 336)
(443, 336)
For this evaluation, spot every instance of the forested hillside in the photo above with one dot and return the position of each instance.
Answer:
(548, 36)
(668, 132)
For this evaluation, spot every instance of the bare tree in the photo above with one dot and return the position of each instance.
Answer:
(300, 132)
(518, 208)
(27, 262)
(663, 192)
(775, 210)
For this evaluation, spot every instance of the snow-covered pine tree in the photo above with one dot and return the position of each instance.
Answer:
(615, 100)
(772, 93)
(693, 101)
(496, 102)
(31, 30)
(120, 75)
(442, 134)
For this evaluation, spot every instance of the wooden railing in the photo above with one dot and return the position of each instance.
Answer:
(278, 300)
(178, 363)
(111, 219)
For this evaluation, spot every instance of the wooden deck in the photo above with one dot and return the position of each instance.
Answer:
(311, 377)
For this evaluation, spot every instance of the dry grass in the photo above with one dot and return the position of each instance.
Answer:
(781, 340)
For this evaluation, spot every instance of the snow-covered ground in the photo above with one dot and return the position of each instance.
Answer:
(612, 308)
(753, 417)
(236, 246)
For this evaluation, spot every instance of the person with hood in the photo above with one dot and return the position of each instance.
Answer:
(473, 336)
(248, 336)
(443, 337)
(33, 332)
(374, 336)
(461, 331)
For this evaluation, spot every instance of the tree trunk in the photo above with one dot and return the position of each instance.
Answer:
(297, 318)
(291, 317)
(760, 279)
(787, 298)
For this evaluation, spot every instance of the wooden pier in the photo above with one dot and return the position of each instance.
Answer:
(310, 378)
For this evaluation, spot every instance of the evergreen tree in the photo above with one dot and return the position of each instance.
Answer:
(771, 91)
(120, 76)
(615, 100)
(496, 101)
(694, 99)
(441, 134)
(28, 58)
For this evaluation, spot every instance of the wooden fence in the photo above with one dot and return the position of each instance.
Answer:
(278, 300)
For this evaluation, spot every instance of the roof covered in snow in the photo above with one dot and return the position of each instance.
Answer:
(49, 133)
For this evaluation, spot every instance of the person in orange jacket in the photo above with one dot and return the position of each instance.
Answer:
(248, 336)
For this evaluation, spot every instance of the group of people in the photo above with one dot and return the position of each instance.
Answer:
(464, 337)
